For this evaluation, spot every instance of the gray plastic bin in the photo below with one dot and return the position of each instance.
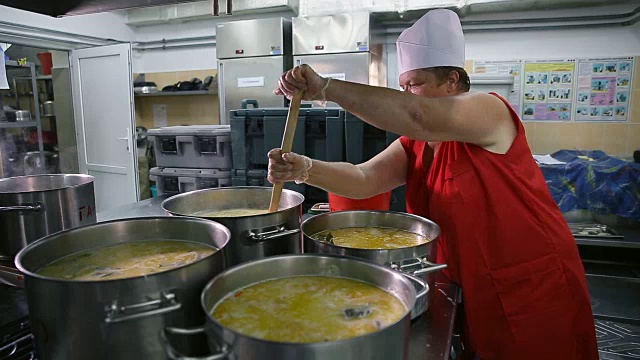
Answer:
(319, 135)
(362, 142)
(176, 181)
(195, 146)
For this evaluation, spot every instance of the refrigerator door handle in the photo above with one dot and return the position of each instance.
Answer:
(221, 94)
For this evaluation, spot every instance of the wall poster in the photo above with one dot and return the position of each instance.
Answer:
(604, 89)
(548, 90)
(503, 68)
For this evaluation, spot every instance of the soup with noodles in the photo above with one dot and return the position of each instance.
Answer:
(307, 309)
(127, 260)
(230, 213)
(371, 238)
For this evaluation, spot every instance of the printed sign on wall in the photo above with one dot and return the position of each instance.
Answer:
(548, 90)
(505, 68)
(603, 89)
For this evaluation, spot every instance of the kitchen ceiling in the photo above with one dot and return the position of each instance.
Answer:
(385, 10)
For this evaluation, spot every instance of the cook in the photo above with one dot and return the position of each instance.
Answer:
(467, 165)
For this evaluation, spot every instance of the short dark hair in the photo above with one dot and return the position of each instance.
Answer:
(442, 74)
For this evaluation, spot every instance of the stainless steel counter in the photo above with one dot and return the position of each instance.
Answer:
(430, 334)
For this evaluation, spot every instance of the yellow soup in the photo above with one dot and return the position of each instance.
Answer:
(306, 309)
(230, 212)
(127, 260)
(371, 238)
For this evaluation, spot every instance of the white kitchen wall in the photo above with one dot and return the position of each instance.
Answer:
(549, 44)
(180, 59)
(183, 59)
(543, 44)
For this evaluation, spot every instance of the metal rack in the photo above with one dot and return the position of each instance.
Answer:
(179, 93)
(36, 101)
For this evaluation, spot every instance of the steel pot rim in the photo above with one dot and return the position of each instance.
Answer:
(87, 179)
(405, 280)
(230, 188)
(380, 251)
(51, 237)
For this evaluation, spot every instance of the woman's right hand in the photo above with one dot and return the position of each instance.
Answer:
(287, 167)
(302, 77)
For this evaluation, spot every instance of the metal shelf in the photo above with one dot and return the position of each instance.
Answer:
(17, 124)
(178, 93)
(36, 105)
(41, 77)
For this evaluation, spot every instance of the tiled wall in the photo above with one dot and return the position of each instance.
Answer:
(619, 139)
(181, 110)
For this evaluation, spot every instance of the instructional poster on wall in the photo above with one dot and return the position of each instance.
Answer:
(505, 68)
(604, 89)
(548, 90)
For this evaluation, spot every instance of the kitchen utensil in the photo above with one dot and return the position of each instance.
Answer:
(387, 343)
(35, 206)
(120, 318)
(48, 108)
(252, 237)
(23, 115)
(287, 144)
(46, 62)
(145, 90)
(33, 166)
(206, 83)
(415, 260)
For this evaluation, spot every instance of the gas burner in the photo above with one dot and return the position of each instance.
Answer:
(617, 340)
(594, 231)
(16, 341)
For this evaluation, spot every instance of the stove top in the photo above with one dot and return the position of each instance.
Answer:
(9, 275)
(594, 231)
(16, 341)
(617, 341)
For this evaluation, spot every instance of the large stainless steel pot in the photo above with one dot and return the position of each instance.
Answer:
(252, 237)
(32, 207)
(416, 260)
(117, 319)
(388, 343)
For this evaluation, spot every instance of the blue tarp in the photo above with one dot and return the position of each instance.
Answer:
(594, 181)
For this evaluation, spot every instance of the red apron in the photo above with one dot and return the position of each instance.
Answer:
(508, 247)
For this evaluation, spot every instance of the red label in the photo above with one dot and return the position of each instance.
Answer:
(85, 214)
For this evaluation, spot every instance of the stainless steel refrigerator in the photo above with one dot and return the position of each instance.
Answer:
(252, 55)
(341, 47)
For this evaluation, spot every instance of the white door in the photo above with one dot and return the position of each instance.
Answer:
(105, 128)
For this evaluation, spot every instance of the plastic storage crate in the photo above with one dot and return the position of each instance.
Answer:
(259, 178)
(195, 146)
(362, 142)
(175, 181)
(319, 135)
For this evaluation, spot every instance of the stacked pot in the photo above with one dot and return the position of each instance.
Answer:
(161, 314)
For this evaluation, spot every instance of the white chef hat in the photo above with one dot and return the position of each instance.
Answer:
(434, 40)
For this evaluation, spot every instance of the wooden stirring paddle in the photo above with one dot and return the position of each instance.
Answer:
(287, 144)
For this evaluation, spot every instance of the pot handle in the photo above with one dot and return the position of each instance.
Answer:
(261, 235)
(115, 313)
(173, 354)
(11, 277)
(37, 207)
(424, 267)
(424, 287)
